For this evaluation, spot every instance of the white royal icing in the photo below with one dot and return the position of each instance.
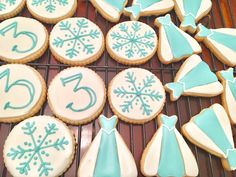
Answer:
(9, 6)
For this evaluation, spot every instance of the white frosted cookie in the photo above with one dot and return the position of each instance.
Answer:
(190, 12)
(194, 78)
(22, 40)
(108, 154)
(44, 147)
(131, 42)
(10, 8)
(76, 41)
(51, 11)
(22, 92)
(136, 95)
(148, 7)
(167, 154)
(77, 95)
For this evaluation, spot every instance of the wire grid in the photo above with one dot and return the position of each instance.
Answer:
(223, 14)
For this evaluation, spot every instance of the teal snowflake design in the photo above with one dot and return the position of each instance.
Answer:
(50, 5)
(131, 41)
(3, 4)
(138, 94)
(77, 39)
(34, 152)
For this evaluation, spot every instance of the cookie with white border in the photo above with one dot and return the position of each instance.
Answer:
(22, 92)
(44, 147)
(77, 95)
(131, 42)
(22, 40)
(51, 11)
(136, 95)
(10, 8)
(76, 41)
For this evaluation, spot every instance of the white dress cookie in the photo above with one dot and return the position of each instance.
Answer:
(211, 130)
(194, 78)
(136, 95)
(190, 12)
(44, 147)
(22, 92)
(22, 40)
(76, 41)
(167, 154)
(77, 95)
(52, 11)
(148, 7)
(10, 8)
(108, 154)
(131, 42)
(174, 44)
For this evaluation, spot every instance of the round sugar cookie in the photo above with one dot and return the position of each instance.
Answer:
(76, 41)
(77, 95)
(44, 147)
(22, 40)
(131, 42)
(136, 95)
(10, 8)
(22, 92)
(52, 11)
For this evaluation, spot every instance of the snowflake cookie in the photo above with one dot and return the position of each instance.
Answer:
(77, 95)
(131, 42)
(136, 95)
(76, 41)
(52, 11)
(10, 8)
(44, 147)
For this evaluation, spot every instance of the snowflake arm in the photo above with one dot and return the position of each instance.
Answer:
(2, 6)
(121, 92)
(145, 108)
(11, 2)
(63, 2)
(58, 144)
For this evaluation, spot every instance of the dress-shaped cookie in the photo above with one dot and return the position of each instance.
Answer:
(229, 93)
(148, 7)
(108, 154)
(194, 78)
(174, 44)
(211, 130)
(190, 12)
(10, 8)
(221, 42)
(167, 154)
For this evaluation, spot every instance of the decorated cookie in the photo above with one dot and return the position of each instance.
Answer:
(76, 41)
(174, 44)
(44, 147)
(131, 42)
(77, 95)
(136, 95)
(211, 130)
(148, 8)
(190, 12)
(52, 11)
(221, 42)
(110, 9)
(167, 154)
(22, 40)
(229, 94)
(108, 154)
(10, 8)
(194, 78)
(22, 92)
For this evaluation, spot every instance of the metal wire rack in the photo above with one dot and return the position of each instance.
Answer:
(223, 14)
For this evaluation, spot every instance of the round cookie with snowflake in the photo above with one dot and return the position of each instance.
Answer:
(52, 11)
(44, 147)
(131, 42)
(76, 41)
(10, 8)
(136, 95)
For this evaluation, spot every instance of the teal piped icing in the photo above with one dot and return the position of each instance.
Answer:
(107, 163)
(5, 3)
(175, 38)
(188, 81)
(171, 161)
(117, 4)
(50, 5)
(232, 158)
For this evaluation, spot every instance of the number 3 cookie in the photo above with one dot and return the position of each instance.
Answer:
(10, 8)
